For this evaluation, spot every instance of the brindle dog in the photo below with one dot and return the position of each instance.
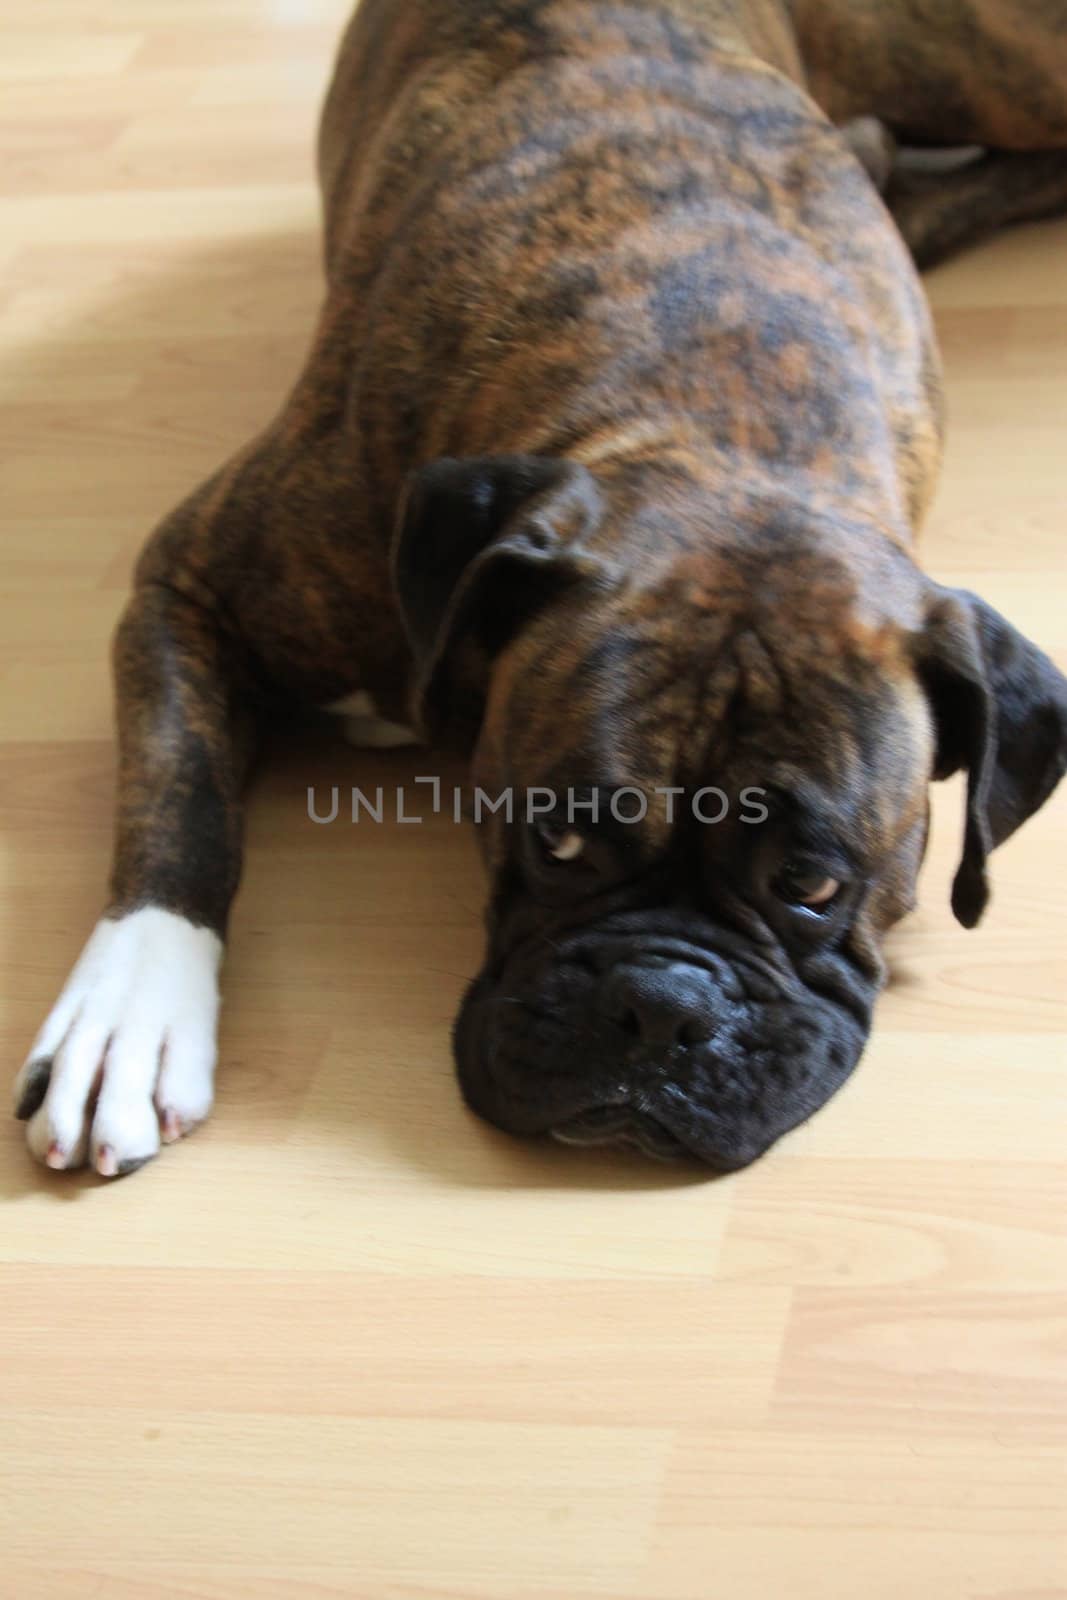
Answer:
(607, 459)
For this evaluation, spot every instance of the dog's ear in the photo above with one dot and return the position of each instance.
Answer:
(480, 545)
(1000, 711)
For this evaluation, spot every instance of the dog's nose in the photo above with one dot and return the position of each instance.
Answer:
(661, 1005)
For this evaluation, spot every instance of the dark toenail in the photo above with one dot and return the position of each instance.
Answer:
(132, 1166)
(35, 1089)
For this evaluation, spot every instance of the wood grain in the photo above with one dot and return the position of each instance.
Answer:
(348, 1341)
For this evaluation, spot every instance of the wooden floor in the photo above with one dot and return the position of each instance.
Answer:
(348, 1341)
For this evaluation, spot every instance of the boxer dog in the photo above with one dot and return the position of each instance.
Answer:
(606, 463)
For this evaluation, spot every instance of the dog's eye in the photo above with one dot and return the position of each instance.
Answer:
(560, 842)
(805, 883)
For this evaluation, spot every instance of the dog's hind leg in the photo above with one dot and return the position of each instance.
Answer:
(126, 1057)
(939, 213)
(988, 72)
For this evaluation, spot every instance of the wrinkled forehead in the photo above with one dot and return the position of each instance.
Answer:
(850, 726)
(836, 719)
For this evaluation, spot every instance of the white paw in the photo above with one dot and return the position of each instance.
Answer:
(365, 728)
(377, 733)
(127, 1055)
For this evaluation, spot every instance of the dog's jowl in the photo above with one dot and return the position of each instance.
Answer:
(606, 464)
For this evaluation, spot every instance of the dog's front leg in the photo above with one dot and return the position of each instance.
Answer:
(126, 1057)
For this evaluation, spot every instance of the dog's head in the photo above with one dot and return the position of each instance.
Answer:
(708, 737)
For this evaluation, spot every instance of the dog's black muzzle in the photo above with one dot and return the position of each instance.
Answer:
(659, 1030)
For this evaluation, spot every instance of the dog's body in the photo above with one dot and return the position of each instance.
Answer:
(610, 284)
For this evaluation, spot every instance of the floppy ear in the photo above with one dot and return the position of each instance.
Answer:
(480, 545)
(1000, 711)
